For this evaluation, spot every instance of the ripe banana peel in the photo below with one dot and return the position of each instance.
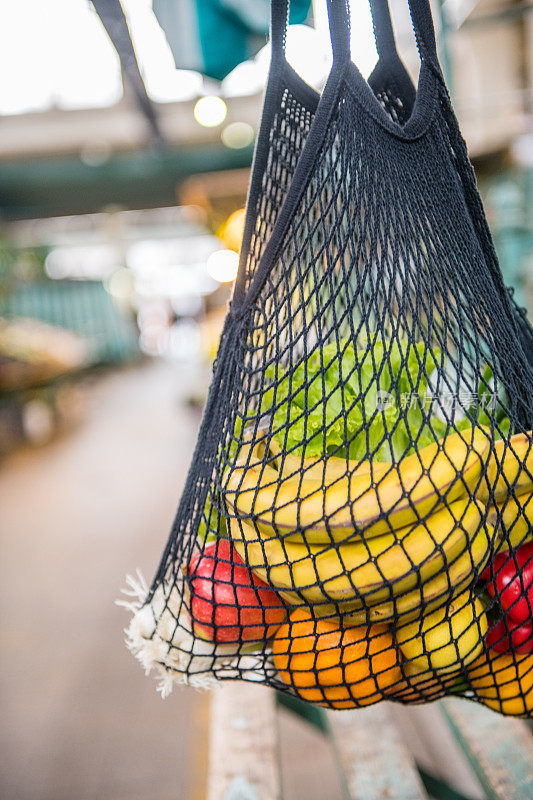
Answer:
(510, 466)
(360, 571)
(439, 590)
(513, 520)
(324, 470)
(366, 502)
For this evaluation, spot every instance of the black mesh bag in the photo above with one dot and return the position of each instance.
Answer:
(356, 522)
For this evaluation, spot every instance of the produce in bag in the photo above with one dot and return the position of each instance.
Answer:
(365, 458)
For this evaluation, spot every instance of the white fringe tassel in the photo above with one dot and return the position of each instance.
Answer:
(160, 637)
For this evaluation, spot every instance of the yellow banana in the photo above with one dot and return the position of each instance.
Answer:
(510, 466)
(369, 502)
(324, 470)
(432, 594)
(405, 608)
(375, 570)
(513, 519)
(438, 590)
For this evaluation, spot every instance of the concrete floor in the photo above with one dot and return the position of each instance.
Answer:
(79, 719)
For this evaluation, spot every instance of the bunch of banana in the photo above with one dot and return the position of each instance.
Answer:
(374, 542)
(364, 499)
(509, 483)
(379, 580)
(458, 576)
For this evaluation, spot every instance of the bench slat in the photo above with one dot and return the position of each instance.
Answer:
(435, 748)
(499, 748)
(374, 760)
(243, 748)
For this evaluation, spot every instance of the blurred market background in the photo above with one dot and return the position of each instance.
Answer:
(126, 137)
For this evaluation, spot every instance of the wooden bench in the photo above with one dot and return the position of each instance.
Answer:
(450, 750)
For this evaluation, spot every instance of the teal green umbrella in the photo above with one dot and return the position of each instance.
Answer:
(213, 36)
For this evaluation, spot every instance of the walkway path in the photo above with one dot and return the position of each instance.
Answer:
(80, 721)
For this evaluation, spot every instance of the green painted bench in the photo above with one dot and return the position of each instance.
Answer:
(449, 750)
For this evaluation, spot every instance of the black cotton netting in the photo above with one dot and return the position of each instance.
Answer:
(356, 523)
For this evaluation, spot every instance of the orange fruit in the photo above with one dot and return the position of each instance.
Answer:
(503, 682)
(332, 665)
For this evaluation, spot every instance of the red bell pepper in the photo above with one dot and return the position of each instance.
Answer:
(512, 583)
(519, 641)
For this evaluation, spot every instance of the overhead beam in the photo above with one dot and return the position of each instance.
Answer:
(116, 26)
(46, 187)
(60, 132)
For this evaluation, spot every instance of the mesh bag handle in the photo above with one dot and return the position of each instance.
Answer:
(383, 30)
(339, 24)
(422, 22)
(389, 71)
(389, 75)
(425, 32)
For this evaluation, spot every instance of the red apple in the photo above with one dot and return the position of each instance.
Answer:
(227, 602)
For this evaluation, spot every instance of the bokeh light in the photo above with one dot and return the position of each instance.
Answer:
(222, 265)
(237, 135)
(210, 111)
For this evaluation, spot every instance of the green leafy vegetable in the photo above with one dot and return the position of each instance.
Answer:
(370, 400)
